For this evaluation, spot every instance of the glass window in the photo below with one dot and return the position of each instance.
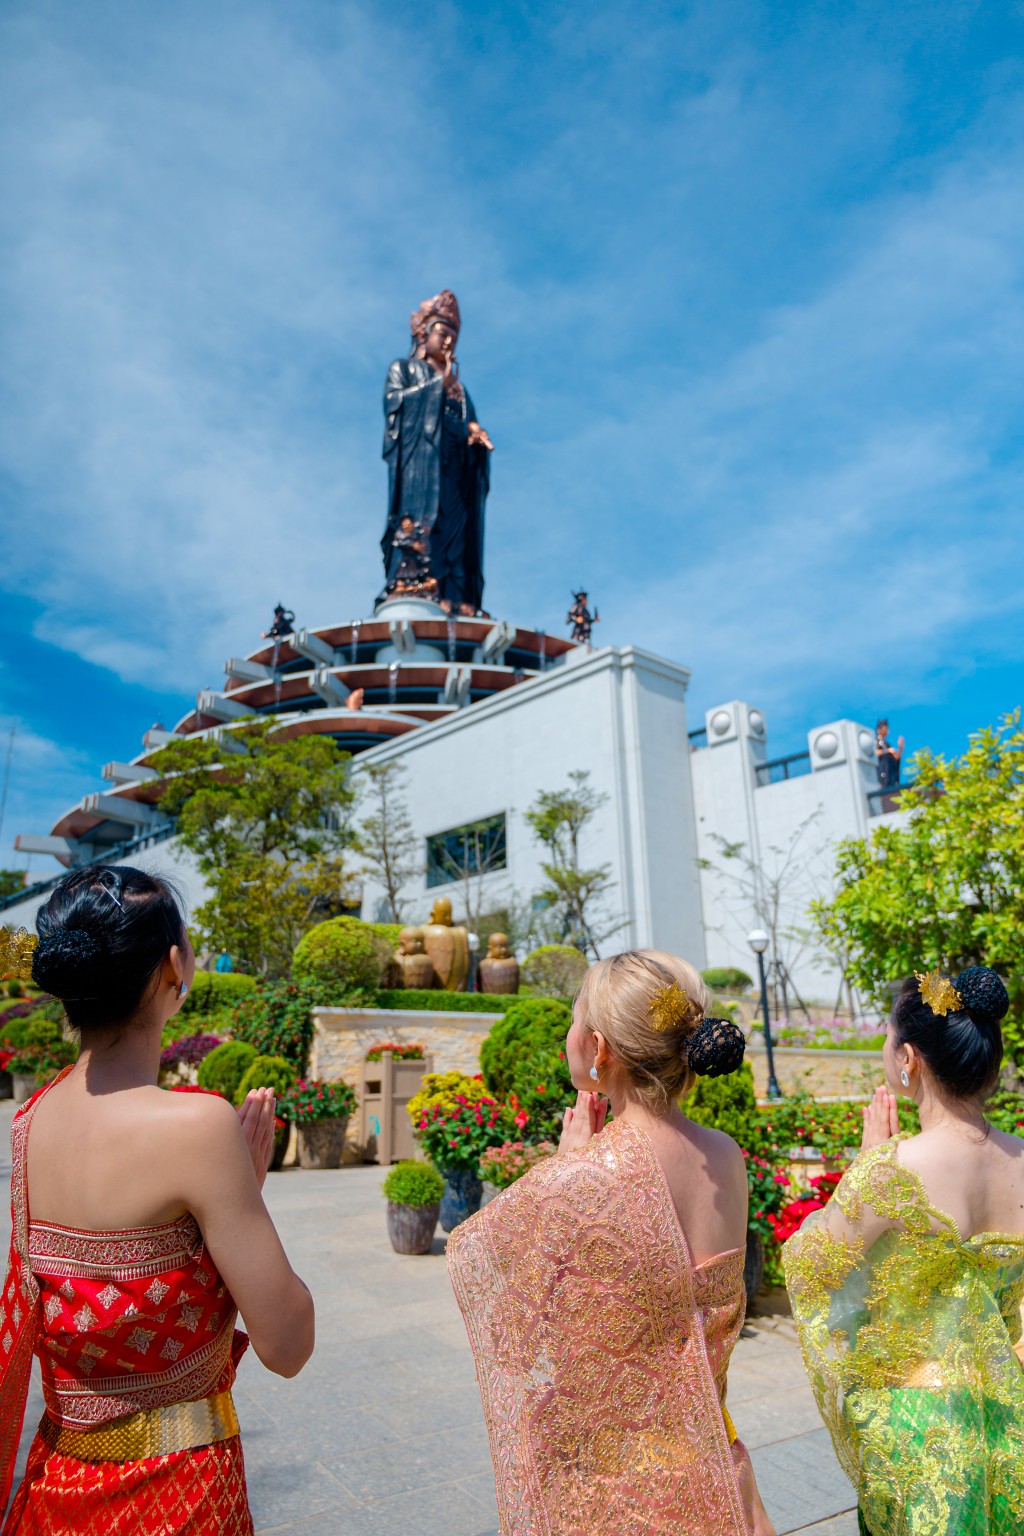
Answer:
(475, 849)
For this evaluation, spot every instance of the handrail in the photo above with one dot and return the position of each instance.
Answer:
(115, 851)
(781, 768)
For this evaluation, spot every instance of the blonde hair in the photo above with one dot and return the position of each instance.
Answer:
(616, 998)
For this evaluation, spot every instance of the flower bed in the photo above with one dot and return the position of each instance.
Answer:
(399, 1051)
(825, 1034)
(502, 1166)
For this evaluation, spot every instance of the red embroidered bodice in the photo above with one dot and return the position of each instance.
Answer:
(121, 1321)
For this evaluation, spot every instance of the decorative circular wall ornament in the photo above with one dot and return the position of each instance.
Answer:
(866, 742)
(756, 722)
(721, 722)
(826, 745)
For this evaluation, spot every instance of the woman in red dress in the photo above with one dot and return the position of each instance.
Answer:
(138, 1233)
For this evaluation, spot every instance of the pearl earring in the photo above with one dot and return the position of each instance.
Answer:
(593, 1073)
(183, 989)
(904, 1078)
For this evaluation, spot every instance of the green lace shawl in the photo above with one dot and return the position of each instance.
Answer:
(907, 1333)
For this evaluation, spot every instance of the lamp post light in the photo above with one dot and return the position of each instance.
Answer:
(758, 941)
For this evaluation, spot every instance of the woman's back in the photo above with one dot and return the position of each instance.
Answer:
(976, 1180)
(707, 1180)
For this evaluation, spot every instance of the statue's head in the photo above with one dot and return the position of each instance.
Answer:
(436, 324)
(497, 947)
(410, 941)
(442, 912)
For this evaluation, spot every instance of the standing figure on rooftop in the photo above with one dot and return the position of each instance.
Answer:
(437, 455)
(581, 618)
(889, 756)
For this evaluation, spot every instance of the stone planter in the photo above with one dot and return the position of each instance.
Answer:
(753, 1266)
(411, 1227)
(461, 1198)
(24, 1086)
(489, 1192)
(6, 1086)
(321, 1142)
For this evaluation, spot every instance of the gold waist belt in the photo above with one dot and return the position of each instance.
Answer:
(153, 1432)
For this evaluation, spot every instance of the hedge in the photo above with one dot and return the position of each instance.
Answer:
(212, 990)
(534, 1029)
(225, 1067)
(266, 1072)
(445, 1002)
(342, 959)
(727, 978)
(554, 970)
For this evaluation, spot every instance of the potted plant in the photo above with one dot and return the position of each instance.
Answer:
(502, 1166)
(413, 1192)
(32, 1066)
(320, 1112)
(6, 1080)
(399, 1051)
(455, 1138)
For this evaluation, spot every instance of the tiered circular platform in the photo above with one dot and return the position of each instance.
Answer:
(360, 682)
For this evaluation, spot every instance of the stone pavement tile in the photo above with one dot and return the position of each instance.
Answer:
(414, 1464)
(800, 1481)
(761, 1419)
(421, 1412)
(285, 1486)
(423, 1512)
(481, 1488)
(842, 1525)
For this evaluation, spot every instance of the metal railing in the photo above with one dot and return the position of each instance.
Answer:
(781, 768)
(882, 801)
(698, 738)
(104, 856)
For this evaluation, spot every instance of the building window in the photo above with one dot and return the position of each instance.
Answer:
(476, 849)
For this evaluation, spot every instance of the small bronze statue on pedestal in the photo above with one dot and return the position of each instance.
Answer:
(581, 618)
(499, 970)
(412, 574)
(284, 620)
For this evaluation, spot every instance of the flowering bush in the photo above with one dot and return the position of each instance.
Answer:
(5, 1057)
(828, 1034)
(444, 1090)
(502, 1166)
(43, 1062)
(457, 1137)
(277, 1020)
(212, 1093)
(188, 1052)
(22, 1010)
(399, 1051)
(315, 1100)
(793, 1215)
(768, 1188)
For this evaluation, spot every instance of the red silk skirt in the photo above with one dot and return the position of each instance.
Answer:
(188, 1493)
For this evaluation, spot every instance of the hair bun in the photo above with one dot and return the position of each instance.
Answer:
(983, 994)
(62, 961)
(716, 1048)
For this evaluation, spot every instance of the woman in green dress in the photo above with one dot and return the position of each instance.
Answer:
(907, 1286)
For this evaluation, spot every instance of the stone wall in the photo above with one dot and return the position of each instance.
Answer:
(343, 1036)
(825, 1074)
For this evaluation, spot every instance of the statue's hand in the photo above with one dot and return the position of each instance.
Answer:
(478, 435)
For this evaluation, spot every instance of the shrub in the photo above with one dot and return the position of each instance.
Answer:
(534, 1025)
(728, 1104)
(444, 1090)
(768, 1188)
(212, 991)
(386, 935)
(277, 1019)
(399, 1051)
(727, 978)
(24, 1009)
(43, 1062)
(188, 1051)
(340, 960)
(12, 1032)
(458, 1137)
(421, 1000)
(15, 988)
(314, 1100)
(502, 1166)
(554, 970)
(266, 1072)
(541, 1088)
(225, 1067)
(43, 1031)
(411, 1183)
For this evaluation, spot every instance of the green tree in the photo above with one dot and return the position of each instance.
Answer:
(946, 888)
(267, 822)
(385, 837)
(11, 881)
(560, 819)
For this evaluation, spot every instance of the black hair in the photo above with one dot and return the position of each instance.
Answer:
(103, 933)
(963, 1049)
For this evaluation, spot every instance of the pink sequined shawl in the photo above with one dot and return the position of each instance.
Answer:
(601, 1352)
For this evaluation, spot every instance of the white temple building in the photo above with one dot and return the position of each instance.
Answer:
(485, 716)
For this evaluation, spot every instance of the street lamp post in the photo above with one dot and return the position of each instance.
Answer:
(758, 941)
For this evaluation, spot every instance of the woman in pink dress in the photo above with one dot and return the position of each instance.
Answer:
(603, 1292)
(139, 1232)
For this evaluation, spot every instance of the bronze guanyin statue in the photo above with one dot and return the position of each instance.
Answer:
(437, 455)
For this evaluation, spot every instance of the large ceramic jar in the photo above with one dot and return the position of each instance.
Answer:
(321, 1142)
(461, 1198)
(753, 1266)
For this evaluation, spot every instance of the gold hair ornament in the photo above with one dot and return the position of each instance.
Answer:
(939, 993)
(16, 954)
(669, 1007)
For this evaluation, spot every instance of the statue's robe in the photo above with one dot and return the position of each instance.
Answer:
(435, 477)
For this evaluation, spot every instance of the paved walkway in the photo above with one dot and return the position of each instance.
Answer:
(382, 1434)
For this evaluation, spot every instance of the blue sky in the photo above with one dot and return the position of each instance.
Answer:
(743, 309)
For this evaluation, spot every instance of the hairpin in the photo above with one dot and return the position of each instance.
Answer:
(669, 1007)
(109, 889)
(939, 992)
(16, 954)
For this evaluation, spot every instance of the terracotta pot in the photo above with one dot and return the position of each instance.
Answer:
(321, 1142)
(6, 1086)
(411, 1227)
(24, 1085)
(461, 1198)
(753, 1267)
